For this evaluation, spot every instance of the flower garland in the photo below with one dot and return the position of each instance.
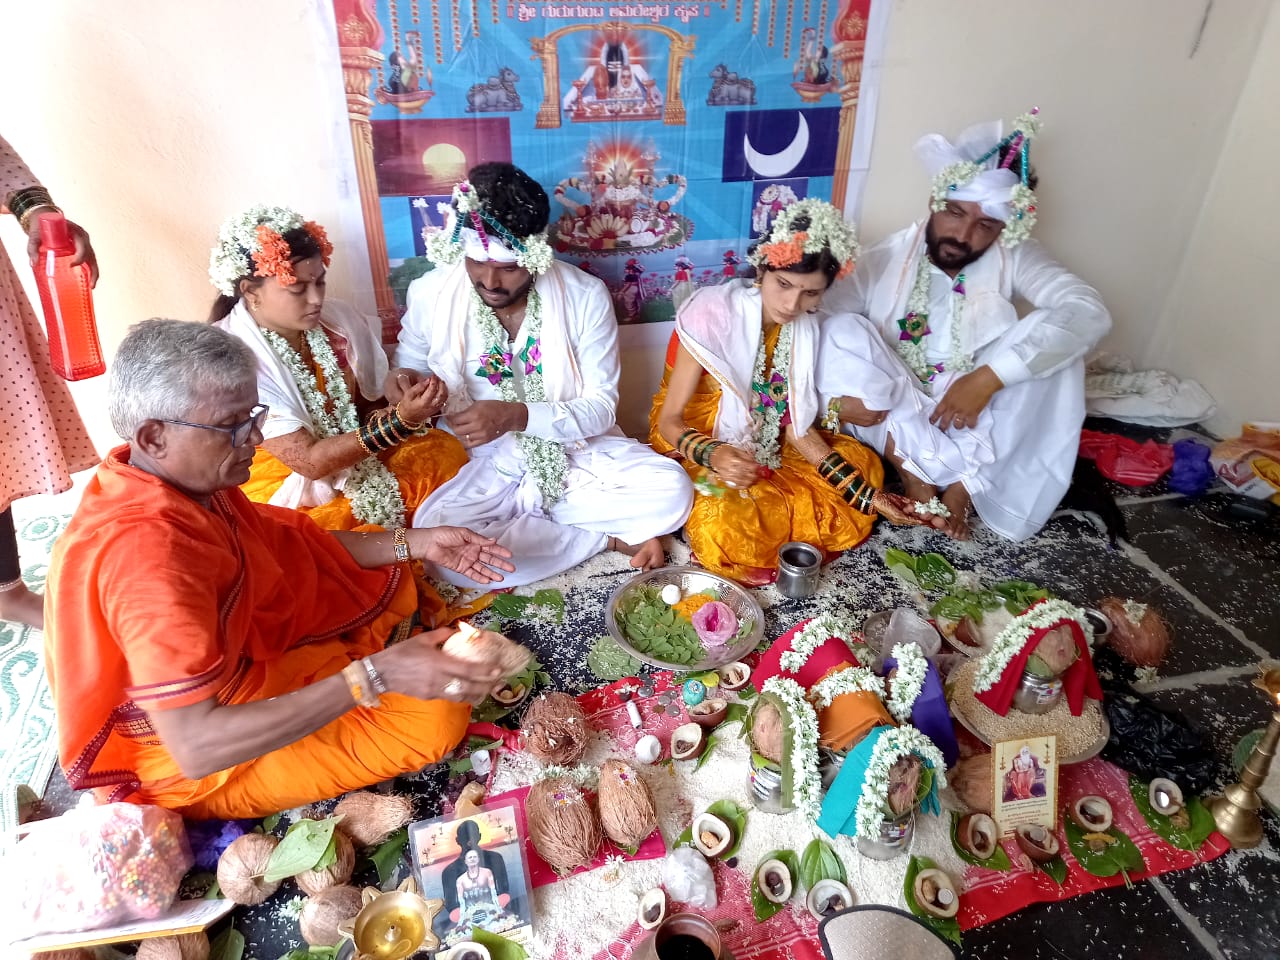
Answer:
(893, 744)
(371, 488)
(905, 687)
(1010, 641)
(826, 230)
(547, 459)
(772, 412)
(806, 780)
(252, 244)
(443, 246)
(814, 634)
(849, 680)
(914, 327)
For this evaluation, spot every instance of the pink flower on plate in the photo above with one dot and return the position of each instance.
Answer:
(715, 623)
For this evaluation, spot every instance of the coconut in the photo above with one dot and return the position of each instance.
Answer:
(555, 729)
(322, 913)
(487, 647)
(338, 872)
(1138, 632)
(766, 731)
(627, 811)
(186, 946)
(563, 827)
(971, 779)
(369, 818)
(241, 867)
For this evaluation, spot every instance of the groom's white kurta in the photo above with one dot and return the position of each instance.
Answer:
(616, 486)
(1017, 462)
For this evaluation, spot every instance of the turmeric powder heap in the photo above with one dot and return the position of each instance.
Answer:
(692, 604)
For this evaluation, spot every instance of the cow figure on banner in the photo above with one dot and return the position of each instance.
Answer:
(730, 90)
(497, 95)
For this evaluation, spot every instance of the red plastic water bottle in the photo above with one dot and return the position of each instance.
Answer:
(67, 298)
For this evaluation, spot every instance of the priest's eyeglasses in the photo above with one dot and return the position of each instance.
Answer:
(239, 432)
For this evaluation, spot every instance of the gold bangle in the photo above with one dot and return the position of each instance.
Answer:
(360, 685)
(400, 543)
(407, 423)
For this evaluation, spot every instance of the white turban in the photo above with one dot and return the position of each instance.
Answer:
(472, 246)
(992, 188)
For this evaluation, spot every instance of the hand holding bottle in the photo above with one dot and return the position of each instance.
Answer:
(79, 236)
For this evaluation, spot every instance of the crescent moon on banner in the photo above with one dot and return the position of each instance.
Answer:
(776, 165)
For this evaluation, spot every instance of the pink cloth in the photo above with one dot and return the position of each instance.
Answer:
(1126, 461)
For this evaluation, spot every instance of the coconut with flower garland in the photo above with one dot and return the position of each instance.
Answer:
(563, 827)
(784, 732)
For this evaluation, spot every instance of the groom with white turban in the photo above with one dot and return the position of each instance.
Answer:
(967, 399)
(528, 348)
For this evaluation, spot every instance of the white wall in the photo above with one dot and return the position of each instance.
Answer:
(151, 121)
(1220, 318)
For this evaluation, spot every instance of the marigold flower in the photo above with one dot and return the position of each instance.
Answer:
(321, 238)
(272, 257)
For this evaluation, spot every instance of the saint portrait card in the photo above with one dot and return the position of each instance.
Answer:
(1025, 783)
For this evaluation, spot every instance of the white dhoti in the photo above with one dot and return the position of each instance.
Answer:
(615, 487)
(1016, 462)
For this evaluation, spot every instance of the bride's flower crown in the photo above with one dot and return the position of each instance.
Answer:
(252, 244)
(826, 230)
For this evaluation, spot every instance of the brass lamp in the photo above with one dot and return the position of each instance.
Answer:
(1236, 811)
(392, 926)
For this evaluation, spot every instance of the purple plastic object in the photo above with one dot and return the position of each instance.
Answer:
(1191, 473)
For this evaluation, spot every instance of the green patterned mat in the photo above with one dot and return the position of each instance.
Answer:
(28, 738)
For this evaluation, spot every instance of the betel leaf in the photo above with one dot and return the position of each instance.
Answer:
(1190, 837)
(499, 947)
(1055, 870)
(706, 752)
(902, 565)
(303, 846)
(330, 855)
(735, 815)
(228, 945)
(510, 606)
(933, 570)
(748, 693)
(999, 860)
(820, 862)
(270, 823)
(763, 906)
(736, 713)
(952, 608)
(388, 854)
(946, 927)
(1120, 855)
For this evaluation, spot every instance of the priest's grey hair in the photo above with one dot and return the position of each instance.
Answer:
(165, 368)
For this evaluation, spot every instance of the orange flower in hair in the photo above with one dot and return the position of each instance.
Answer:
(846, 269)
(272, 259)
(784, 253)
(321, 238)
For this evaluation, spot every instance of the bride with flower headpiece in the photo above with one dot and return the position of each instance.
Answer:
(739, 405)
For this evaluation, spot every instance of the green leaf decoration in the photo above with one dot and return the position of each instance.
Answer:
(685, 839)
(952, 608)
(819, 862)
(934, 571)
(1121, 856)
(228, 945)
(270, 823)
(608, 662)
(949, 927)
(735, 815)
(303, 846)
(1190, 837)
(706, 752)
(510, 606)
(997, 861)
(736, 713)
(902, 565)
(1055, 869)
(763, 906)
(388, 853)
(748, 693)
(499, 947)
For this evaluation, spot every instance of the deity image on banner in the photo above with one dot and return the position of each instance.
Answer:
(401, 86)
(617, 82)
(811, 76)
(770, 198)
(621, 204)
(427, 157)
(730, 90)
(498, 94)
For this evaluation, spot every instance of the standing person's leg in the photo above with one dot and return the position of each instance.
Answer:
(17, 603)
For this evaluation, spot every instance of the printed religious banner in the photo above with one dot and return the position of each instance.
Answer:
(667, 135)
(476, 865)
(1025, 783)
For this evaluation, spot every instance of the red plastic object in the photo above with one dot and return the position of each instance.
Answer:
(67, 298)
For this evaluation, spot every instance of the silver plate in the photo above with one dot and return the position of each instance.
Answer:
(691, 580)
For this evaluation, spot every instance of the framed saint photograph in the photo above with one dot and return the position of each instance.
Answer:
(1025, 783)
(476, 865)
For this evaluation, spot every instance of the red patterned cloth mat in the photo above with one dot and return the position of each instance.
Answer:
(989, 894)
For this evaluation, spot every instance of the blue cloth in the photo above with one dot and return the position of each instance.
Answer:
(1192, 473)
(840, 805)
